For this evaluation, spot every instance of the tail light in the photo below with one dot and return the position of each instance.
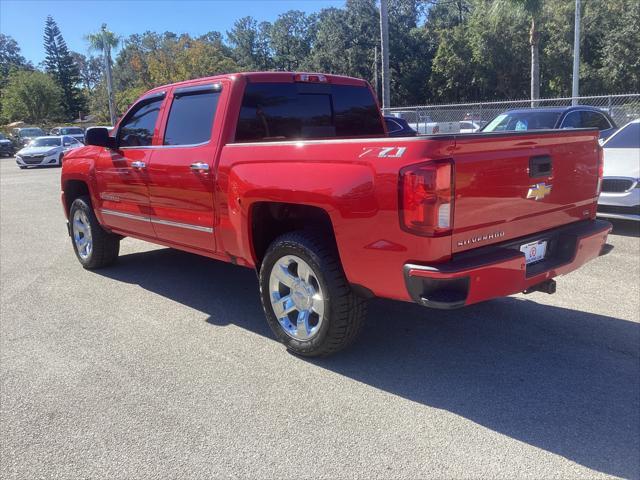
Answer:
(426, 198)
(600, 168)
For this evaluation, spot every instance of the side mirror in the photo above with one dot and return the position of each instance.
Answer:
(99, 136)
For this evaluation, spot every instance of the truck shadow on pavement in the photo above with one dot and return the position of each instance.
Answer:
(562, 380)
(626, 228)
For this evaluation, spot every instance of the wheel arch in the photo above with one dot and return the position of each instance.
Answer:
(270, 219)
(72, 189)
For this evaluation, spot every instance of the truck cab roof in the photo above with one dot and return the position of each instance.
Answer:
(283, 77)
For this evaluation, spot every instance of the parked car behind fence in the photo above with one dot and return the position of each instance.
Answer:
(75, 132)
(621, 108)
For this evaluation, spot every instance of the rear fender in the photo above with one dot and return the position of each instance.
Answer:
(344, 191)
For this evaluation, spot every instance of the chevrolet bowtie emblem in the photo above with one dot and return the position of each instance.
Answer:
(539, 191)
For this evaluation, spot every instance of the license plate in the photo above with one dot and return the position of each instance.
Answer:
(534, 251)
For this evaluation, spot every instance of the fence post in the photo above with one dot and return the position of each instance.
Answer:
(609, 105)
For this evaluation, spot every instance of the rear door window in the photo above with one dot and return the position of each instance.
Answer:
(594, 120)
(287, 111)
(191, 115)
(572, 120)
(392, 125)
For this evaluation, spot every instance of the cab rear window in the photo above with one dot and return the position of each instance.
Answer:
(289, 111)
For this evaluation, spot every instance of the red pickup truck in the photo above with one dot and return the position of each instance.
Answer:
(294, 175)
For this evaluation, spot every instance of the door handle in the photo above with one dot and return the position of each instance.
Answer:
(138, 164)
(200, 167)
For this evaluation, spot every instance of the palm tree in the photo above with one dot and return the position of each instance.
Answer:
(532, 11)
(104, 41)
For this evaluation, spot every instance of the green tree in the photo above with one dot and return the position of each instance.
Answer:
(453, 71)
(104, 41)
(619, 65)
(32, 96)
(249, 44)
(532, 11)
(59, 63)
(10, 58)
(290, 39)
(90, 70)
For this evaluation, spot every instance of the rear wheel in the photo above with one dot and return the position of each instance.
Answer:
(93, 245)
(307, 300)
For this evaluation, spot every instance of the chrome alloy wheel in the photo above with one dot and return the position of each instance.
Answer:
(82, 234)
(296, 297)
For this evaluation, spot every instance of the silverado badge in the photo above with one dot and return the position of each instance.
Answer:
(539, 191)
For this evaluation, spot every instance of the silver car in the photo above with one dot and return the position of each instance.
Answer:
(43, 151)
(75, 132)
(620, 194)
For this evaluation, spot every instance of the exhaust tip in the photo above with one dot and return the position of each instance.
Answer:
(548, 286)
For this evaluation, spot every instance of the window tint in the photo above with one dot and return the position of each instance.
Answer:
(137, 128)
(627, 137)
(572, 120)
(71, 131)
(516, 121)
(594, 119)
(70, 141)
(46, 142)
(392, 125)
(191, 118)
(356, 112)
(282, 111)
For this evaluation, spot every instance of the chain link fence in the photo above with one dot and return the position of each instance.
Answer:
(622, 108)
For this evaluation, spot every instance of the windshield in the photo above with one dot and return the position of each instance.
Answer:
(627, 137)
(31, 132)
(71, 131)
(45, 142)
(516, 121)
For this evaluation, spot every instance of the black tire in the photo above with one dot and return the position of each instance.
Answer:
(105, 245)
(345, 311)
(60, 160)
(21, 167)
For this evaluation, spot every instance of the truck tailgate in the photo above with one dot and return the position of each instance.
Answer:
(513, 185)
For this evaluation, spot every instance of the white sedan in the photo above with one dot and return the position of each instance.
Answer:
(620, 194)
(43, 151)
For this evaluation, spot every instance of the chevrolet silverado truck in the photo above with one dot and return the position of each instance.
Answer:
(294, 175)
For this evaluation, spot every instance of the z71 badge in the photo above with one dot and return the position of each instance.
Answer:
(382, 152)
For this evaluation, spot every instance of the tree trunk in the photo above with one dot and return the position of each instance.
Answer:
(534, 41)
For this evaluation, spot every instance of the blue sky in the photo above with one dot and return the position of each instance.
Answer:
(24, 19)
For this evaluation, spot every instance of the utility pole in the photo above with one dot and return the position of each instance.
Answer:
(376, 85)
(384, 37)
(576, 56)
(107, 66)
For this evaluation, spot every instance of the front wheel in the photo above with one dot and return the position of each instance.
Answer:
(307, 300)
(93, 245)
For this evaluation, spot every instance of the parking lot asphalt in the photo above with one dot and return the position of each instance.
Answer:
(163, 366)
